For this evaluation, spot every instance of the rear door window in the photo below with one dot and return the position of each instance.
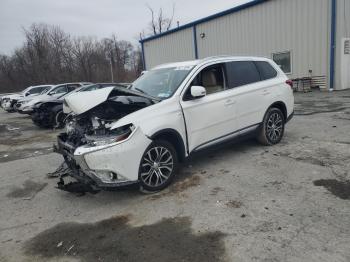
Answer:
(241, 73)
(71, 87)
(60, 90)
(266, 70)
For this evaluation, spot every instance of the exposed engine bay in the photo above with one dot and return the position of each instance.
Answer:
(96, 122)
(92, 128)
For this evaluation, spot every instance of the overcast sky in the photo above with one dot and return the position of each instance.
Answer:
(98, 18)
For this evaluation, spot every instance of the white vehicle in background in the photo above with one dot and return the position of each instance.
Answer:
(25, 105)
(117, 136)
(7, 102)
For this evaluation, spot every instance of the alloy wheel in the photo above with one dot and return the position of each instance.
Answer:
(156, 166)
(274, 127)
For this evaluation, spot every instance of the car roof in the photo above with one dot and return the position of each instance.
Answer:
(81, 83)
(41, 86)
(178, 64)
(211, 59)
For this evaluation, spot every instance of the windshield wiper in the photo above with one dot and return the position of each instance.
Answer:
(140, 90)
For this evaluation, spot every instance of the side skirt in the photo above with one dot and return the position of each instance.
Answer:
(243, 133)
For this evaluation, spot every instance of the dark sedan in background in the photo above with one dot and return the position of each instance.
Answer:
(49, 114)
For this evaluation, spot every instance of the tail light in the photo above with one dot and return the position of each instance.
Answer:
(290, 83)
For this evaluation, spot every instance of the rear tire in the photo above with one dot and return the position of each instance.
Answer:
(272, 128)
(158, 166)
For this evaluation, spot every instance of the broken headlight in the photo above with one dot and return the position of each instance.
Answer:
(116, 135)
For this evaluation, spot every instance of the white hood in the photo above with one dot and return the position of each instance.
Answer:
(81, 102)
(13, 96)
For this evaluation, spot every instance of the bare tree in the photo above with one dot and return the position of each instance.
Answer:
(50, 55)
(159, 23)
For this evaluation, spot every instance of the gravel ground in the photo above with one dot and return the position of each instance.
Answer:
(241, 202)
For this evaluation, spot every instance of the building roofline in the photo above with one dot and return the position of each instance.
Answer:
(205, 19)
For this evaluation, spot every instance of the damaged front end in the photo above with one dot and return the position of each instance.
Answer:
(89, 133)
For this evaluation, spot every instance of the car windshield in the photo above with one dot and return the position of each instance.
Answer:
(71, 92)
(88, 88)
(25, 90)
(66, 94)
(95, 87)
(161, 83)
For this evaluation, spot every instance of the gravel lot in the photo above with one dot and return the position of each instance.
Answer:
(241, 202)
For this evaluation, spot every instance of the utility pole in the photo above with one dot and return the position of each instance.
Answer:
(110, 61)
(109, 56)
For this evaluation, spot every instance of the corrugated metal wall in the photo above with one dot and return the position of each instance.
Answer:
(275, 26)
(174, 47)
(299, 26)
(343, 31)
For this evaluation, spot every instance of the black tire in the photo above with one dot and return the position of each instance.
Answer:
(272, 128)
(150, 166)
(58, 119)
(38, 124)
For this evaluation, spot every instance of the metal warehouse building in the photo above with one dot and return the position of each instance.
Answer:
(307, 38)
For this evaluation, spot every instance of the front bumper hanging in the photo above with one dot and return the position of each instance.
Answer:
(85, 180)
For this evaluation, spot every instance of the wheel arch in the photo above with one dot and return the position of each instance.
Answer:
(172, 136)
(56, 108)
(281, 106)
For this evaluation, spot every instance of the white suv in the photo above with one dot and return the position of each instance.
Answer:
(119, 136)
(7, 102)
(26, 105)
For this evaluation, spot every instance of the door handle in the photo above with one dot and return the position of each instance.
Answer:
(266, 92)
(229, 102)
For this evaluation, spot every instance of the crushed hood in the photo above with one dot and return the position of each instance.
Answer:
(81, 102)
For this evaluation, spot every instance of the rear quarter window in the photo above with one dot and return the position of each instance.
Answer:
(241, 73)
(266, 70)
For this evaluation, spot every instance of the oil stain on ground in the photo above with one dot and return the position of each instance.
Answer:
(186, 182)
(337, 188)
(180, 184)
(28, 190)
(216, 190)
(115, 240)
(233, 204)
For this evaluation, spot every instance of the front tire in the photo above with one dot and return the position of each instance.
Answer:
(158, 166)
(272, 129)
(59, 119)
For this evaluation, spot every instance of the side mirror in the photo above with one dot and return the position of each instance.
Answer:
(198, 91)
